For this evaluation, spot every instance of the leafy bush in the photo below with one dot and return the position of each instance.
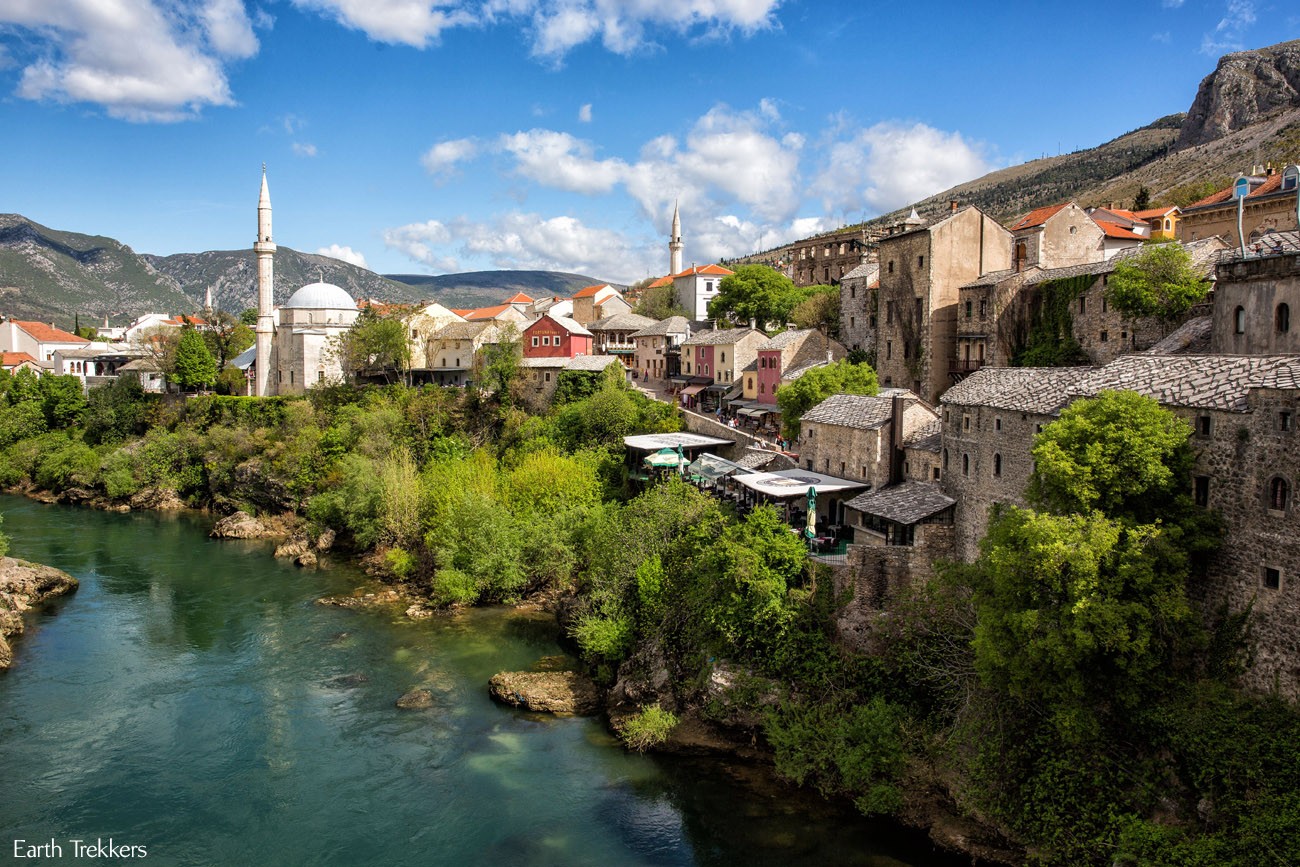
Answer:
(453, 587)
(607, 638)
(649, 728)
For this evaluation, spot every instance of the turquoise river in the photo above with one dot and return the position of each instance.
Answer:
(193, 699)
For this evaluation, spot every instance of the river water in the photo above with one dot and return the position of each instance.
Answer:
(192, 698)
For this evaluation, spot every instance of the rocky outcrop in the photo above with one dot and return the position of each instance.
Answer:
(241, 525)
(546, 691)
(1245, 88)
(158, 500)
(22, 586)
(416, 699)
(295, 547)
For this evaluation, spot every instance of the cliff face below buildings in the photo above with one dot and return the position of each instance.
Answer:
(1247, 87)
(24, 585)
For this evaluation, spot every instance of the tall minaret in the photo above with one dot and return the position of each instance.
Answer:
(264, 247)
(675, 244)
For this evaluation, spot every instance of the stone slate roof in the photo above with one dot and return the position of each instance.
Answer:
(993, 278)
(794, 373)
(1192, 337)
(621, 322)
(786, 338)
(1042, 390)
(664, 327)
(859, 411)
(753, 365)
(903, 504)
(462, 330)
(1216, 382)
(768, 462)
(867, 270)
(719, 338)
(556, 362)
(591, 362)
(928, 437)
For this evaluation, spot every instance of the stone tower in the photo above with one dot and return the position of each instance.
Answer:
(675, 245)
(264, 247)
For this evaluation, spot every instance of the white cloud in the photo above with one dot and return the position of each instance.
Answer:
(142, 60)
(401, 22)
(584, 113)
(417, 241)
(891, 164)
(1229, 34)
(442, 158)
(559, 160)
(1171, 4)
(304, 149)
(522, 241)
(344, 254)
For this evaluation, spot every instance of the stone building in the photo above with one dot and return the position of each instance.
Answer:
(612, 335)
(1055, 237)
(452, 355)
(658, 353)
(858, 290)
(864, 437)
(1270, 205)
(921, 271)
(990, 420)
(597, 302)
(306, 327)
(1255, 298)
(721, 355)
(422, 324)
(795, 350)
(827, 259)
(555, 337)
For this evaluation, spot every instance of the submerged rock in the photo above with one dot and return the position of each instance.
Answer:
(363, 600)
(416, 699)
(22, 586)
(348, 681)
(546, 691)
(295, 547)
(306, 559)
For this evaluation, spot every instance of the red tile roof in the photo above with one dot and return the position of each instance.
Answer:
(1155, 212)
(1038, 216)
(13, 359)
(44, 333)
(485, 312)
(666, 280)
(1270, 185)
(705, 269)
(1115, 230)
(590, 291)
(519, 298)
(462, 312)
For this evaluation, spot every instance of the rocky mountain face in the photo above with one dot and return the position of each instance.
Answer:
(1247, 87)
(48, 275)
(232, 276)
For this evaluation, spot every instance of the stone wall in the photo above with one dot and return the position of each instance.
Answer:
(1237, 461)
(877, 575)
(1105, 333)
(986, 459)
(846, 452)
(1258, 287)
(858, 314)
(705, 426)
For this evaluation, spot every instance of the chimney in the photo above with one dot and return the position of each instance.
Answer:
(898, 407)
(952, 205)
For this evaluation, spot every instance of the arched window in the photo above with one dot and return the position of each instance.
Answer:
(1279, 492)
(1239, 320)
(1282, 318)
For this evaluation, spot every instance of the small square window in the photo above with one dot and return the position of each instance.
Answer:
(997, 424)
(1284, 421)
(1272, 578)
(1203, 425)
(965, 422)
(1105, 336)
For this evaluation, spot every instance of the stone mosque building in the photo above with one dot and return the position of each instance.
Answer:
(292, 351)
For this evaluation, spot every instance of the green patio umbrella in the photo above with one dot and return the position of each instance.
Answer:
(811, 530)
(665, 457)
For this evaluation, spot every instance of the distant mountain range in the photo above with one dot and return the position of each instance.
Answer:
(55, 276)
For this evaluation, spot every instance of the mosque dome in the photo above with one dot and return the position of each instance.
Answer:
(321, 296)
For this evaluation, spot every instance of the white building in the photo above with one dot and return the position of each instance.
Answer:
(697, 286)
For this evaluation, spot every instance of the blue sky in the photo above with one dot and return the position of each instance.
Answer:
(433, 136)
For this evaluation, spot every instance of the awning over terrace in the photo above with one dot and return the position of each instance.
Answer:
(711, 467)
(692, 389)
(786, 484)
(688, 441)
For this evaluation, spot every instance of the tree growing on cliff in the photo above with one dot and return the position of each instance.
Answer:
(842, 377)
(1160, 281)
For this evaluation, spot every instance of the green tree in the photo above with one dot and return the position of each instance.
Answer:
(1120, 453)
(500, 365)
(820, 310)
(226, 337)
(195, 366)
(375, 346)
(758, 293)
(842, 377)
(248, 316)
(62, 400)
(1160, 281)
(659, 302)
(1142, 200)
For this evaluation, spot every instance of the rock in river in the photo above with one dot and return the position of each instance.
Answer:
(547, 691)
(416, 698)
(240, 525)
(23, 585)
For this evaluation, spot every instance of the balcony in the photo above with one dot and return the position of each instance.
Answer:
(959, 367)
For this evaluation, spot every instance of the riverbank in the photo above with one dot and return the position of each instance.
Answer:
(25, 586)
